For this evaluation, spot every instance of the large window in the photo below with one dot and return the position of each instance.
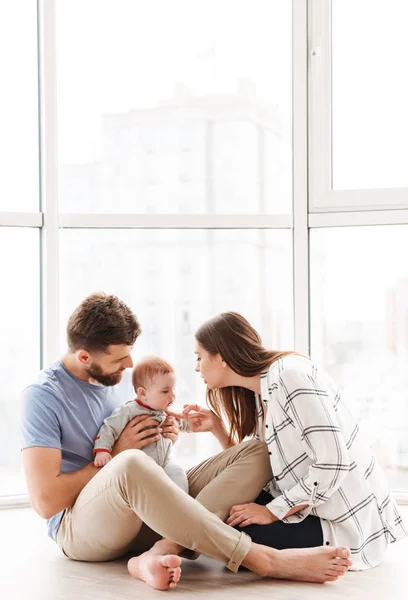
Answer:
(175, 114)
(19, 183)
(358, 99)
(190, 117)
(370, 120)
(20, 341)
(188, 149)
(179, 116)
(19, 235)
(359, 327)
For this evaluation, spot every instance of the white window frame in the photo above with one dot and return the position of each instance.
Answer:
(322, 196)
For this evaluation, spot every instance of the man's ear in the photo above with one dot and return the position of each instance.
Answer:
(83, 356)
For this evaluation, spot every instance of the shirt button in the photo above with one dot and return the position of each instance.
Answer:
(267, 425)
(315, 483)
(327, 543)
(269, 453)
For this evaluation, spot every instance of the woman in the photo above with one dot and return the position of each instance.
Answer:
(326, 486)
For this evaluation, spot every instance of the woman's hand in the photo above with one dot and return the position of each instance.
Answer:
(250, 514)
(135, 436)
(201, 419)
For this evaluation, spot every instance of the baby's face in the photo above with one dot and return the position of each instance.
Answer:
(160, 394)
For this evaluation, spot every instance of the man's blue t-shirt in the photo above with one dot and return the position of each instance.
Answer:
(64, 412)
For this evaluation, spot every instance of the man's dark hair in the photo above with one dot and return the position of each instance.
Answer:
(101, 320)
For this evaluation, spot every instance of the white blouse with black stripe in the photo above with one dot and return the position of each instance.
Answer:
(320, 458)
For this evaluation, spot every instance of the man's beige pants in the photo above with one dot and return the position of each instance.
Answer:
(131, 503)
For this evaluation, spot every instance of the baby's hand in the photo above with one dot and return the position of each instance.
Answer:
(102, 459)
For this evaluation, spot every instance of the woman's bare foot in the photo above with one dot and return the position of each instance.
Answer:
(160, 571)
(315, 565)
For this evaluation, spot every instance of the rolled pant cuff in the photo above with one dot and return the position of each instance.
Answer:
(240, 552)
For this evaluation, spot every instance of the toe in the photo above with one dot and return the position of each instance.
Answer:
(343, 552)
(342, 562)
(331, 573)
(171, 561)
(338, 569)
(176, 575)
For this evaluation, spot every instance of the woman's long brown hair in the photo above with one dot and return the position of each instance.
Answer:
(240, 346)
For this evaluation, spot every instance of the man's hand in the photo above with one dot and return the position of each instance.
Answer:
(138, 433)
(250, 514)
(171, 427)
(102, 459)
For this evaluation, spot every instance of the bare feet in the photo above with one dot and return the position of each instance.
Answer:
(315, 565)
(159, 571)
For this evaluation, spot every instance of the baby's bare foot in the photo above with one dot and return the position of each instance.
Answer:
(161, 572)
(315, 565)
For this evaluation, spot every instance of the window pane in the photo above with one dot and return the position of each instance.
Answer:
(174, 280)
(19, 153)
(359, 300)
(20, 342)
(370, 96)
(187, 112)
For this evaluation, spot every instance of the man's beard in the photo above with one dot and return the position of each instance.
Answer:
(96, 373)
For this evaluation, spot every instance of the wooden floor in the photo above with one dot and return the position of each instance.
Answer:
(32, 568)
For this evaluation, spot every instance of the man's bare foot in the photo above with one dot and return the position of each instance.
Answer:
(159, 571)
(315, 565)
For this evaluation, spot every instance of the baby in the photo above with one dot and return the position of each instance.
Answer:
(154, 382)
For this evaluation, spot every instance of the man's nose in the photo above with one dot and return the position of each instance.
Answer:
(128, 364)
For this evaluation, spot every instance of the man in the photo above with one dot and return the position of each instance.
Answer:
(101, 514)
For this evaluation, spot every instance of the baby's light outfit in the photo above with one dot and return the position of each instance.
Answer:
(160, 450)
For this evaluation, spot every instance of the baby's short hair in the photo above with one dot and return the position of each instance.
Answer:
(147, 368)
